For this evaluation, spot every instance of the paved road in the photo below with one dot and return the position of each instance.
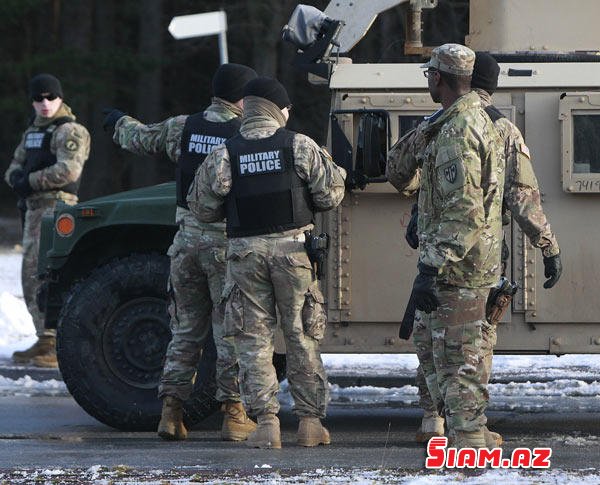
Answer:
(40, 432)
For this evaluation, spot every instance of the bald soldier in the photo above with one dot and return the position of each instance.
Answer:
(46, 168)
(197, 253)
(457, 162)
(522, 200)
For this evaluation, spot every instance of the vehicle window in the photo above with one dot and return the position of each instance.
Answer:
(586, 143)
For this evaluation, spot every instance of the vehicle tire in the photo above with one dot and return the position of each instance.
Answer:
(112, 336)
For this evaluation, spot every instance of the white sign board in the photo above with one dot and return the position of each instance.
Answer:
(198, 25)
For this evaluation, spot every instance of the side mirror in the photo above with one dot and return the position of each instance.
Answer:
(372, 145)
(364, 163)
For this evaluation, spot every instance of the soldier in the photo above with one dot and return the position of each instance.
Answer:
(522, 200)
(461, 180)
(46, 168)
(197, 253)
(269, 181)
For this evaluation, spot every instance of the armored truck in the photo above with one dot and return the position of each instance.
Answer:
(104, 262)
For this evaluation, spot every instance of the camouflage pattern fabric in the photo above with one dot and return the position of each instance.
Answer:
(71, 144)
(197, 267)
(196, 280)
(313, 165)
(36, 209)
(449, 343)
(426, 402)
(265, 274)
(136, 137)
(461, 166)
(452, 58)
(272, 272)
(521, 191)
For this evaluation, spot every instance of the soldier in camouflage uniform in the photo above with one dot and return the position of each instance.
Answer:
(522, 200)
(268, 181)
(46, 168)
(197, 254)
(459, 167)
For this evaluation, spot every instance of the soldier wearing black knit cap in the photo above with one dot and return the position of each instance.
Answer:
(46, 168)
(268, 182)
(197, 253)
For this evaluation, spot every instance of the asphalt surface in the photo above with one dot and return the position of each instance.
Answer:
(42, 431)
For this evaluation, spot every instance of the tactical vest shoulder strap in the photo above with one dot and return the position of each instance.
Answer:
(494, 113)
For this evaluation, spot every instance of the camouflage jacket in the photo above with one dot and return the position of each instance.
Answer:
(136, 137)
(521, 191)
(457, 161)
(313, 164)
(70, 143)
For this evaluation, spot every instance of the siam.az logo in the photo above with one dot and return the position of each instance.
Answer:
(440, 456)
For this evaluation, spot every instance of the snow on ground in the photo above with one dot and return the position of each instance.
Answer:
(122, 475)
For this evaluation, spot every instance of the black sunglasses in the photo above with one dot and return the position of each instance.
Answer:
(40, 97)
(429, 72)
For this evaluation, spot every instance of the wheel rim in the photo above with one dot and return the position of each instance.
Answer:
(135, 341)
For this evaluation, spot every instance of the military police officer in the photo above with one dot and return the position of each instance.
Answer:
(521, 200)
(458, 164)
(46, 168)
(197, 253)
(268, 182)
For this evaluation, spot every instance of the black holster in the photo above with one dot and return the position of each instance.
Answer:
(317, 248)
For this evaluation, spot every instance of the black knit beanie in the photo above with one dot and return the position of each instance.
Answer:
(268, 88)
(229, 81)
(45, 83)
(485, 72)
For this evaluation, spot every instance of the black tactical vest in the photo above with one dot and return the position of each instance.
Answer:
(266, 194)
(37, 151)
(198, 139)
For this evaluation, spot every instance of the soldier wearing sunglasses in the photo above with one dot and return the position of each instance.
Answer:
(46, 167)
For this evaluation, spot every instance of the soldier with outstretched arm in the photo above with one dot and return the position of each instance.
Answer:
(197, 253)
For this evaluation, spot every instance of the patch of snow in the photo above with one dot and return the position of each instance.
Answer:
(16, 327)
(26, 386)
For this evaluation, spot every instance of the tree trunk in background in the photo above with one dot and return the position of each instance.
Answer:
(144, 172)
(265, 20)
(103, 170)
(76, 34)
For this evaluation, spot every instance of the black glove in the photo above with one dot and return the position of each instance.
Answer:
(411, 236)
(21, 186)
(14, 176)
(112, 116)
(424, 289)
(552, 270)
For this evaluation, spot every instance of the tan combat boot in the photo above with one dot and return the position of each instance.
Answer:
(492, 439)
(431, 425)
(237, 426)
(469, 439)
(47, 360)
(45, 345)
(312, 433)
(171, 425)
(267, 433)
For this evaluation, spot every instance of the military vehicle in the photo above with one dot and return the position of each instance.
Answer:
(104, 264)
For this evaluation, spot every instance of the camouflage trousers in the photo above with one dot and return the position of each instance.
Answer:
(266, 275)
(36, 209)
(195, 284)
(449, 344)
(488, 331)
